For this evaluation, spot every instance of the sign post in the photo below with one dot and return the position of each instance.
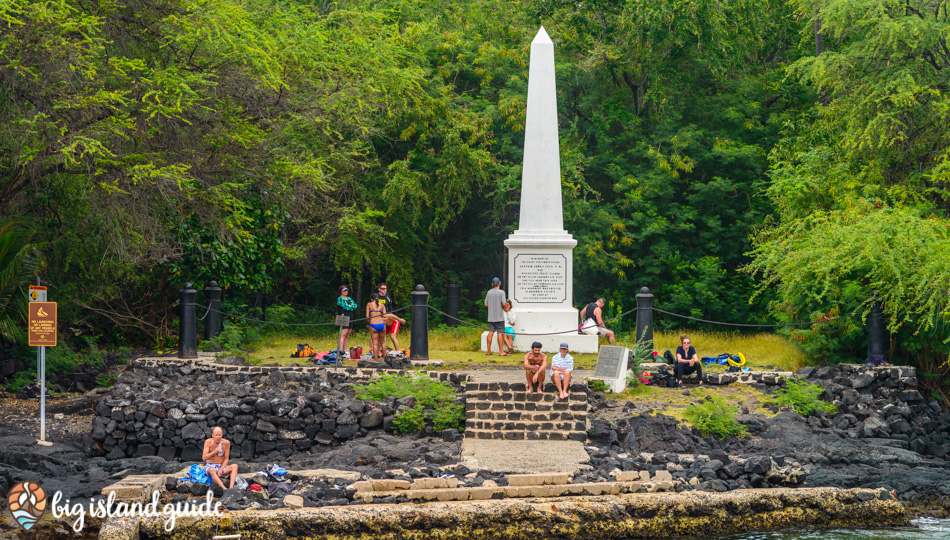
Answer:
(42, 334)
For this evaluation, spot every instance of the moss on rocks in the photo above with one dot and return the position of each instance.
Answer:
(654, 515)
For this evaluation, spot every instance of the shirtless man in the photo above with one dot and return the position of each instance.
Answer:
(216, 452)
(535, 366)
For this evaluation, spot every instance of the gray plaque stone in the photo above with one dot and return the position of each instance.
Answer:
(612, 366)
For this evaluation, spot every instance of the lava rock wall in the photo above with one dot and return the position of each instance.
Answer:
(168, 409)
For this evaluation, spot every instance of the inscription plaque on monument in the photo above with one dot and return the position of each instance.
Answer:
(612, 366)
(540, 278)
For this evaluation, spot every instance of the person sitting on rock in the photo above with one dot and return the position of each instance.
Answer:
(686, 361)
(561, 367)
(216, 452)
(535, 366)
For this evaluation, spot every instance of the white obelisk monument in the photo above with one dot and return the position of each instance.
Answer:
(540, 252)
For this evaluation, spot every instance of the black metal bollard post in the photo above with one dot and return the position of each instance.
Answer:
(187, 327)
(419, 335)
(645, 317)
(452, 295)
(260, 302)
(213, 318)
(876, 337)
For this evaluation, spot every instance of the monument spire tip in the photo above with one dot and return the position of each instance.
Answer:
(541, 37)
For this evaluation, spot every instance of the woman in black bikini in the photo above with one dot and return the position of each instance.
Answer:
(377, 326)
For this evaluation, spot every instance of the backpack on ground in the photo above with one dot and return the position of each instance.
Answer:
(668, 356)
(664, 378)
(304, 350)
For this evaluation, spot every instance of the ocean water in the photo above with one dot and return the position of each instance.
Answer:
(924, 529)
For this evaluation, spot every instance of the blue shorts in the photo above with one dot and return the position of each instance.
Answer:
(510, 331)
(378, 327)
(216, 467)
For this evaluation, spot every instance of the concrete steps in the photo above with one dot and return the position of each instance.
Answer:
(519, 485)
(502, 410)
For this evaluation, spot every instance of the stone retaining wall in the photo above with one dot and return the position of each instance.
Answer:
(168, 407)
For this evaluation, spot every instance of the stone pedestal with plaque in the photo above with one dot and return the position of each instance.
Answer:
(540, 252)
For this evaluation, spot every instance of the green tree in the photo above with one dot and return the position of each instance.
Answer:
(18, 265)
(860, 181)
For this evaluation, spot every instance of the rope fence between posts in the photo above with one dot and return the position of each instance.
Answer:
(562, 332)
(277, 323)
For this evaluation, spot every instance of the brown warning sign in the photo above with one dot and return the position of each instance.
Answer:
(42, 326)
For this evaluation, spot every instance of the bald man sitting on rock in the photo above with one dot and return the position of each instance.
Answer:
(216, 452)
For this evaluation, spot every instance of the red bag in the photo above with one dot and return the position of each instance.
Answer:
(356, 353)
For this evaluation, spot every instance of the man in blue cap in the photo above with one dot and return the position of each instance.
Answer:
(561, 367)
(494, 301)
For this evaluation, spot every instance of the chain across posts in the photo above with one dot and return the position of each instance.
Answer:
(188, 323)
(876, 337)
(419, 330)
(645, 317)
(213, 318)
(453, 293)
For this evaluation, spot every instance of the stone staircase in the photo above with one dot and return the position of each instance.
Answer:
(502, 410)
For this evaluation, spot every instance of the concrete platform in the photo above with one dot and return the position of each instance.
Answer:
(525, 457)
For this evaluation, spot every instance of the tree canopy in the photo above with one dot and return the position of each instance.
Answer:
(710, 150)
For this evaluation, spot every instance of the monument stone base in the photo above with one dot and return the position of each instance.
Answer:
(578, 343)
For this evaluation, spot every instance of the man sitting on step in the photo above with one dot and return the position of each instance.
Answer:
(535, 367)
(561, 367)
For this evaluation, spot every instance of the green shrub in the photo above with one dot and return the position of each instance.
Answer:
(229, 340)
(802, 397)
(716, 416)
(21, 379)
(409, 421)
(106, 381)
(436, 397)
(598, 385)
(449, 416)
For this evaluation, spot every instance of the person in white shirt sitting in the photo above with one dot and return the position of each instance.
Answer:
(561, 367)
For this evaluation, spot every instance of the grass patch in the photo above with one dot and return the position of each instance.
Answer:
(458, 347)
(671, 401)
(762, 351)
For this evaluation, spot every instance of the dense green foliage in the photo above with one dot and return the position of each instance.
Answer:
(802, 397)
(435, 402)
(18, 264)
(716, 416)
(282, 148)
